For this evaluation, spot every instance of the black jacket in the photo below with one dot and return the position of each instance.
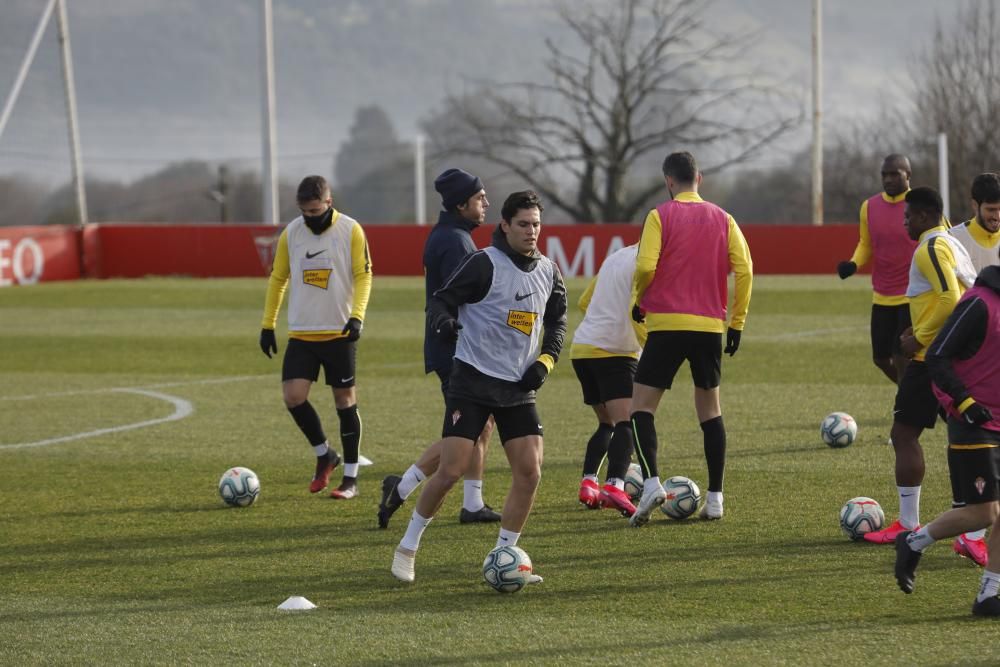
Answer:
(471, 283)
(450, 242)
(960, 338)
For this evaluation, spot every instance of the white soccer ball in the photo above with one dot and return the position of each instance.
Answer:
(683, 496)
(239, 487)
(507, 569)
(838, 429)
(633, 482)
(859, 516)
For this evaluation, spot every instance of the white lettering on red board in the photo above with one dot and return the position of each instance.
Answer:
(583, 260)
(13, 263)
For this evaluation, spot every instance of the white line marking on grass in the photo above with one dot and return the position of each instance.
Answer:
(182, 409)
(160, 385)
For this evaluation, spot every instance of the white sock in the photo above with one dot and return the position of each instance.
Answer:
(650, 483)
(909, 506)
(989, 587)
(411, 480)
(715, 497)
(414, 532)
(321, 450)
(351, 469)
(920, 539)
(976, 534)
(473, 498)
(592, 478)
(615, 482)
(508, 538)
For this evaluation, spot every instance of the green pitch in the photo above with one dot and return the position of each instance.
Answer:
(115, 548)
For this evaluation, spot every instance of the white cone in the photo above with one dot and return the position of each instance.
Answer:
(296, 603)
(364, 460)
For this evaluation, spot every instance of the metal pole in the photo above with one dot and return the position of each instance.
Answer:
(74, 129)
(418, 180)
(817, 100)
(943, 172)
(269, 176)
(22, 73)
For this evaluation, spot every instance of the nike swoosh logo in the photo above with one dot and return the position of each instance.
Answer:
(905, 495)
(347, 379)
(310, 255)
(521, 297)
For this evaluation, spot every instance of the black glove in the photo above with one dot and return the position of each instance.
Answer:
(448, 330)
(534, 377)
(977, 414)
(732, 341)
(352, 329)
(846, 269)
(267, 342)
(638, 314)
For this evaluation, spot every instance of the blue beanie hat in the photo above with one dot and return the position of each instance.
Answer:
(456, 186)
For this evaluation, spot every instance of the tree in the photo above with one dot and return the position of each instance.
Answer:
(652, 77)
(957, 91)
(374, 170)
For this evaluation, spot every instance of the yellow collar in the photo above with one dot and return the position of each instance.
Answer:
(932, 230)
(688, 196)
(894, 200)
(982, 235)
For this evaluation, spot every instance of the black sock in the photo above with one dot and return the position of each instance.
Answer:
(715, 451)
(645, 441)
(308, 421)
(597, 447)
(620, 450)
(350, 432)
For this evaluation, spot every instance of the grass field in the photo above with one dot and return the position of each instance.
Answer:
(115, 548)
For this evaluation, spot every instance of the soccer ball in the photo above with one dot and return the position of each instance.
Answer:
(683, 496)
(239, 487)
(507, 569)
(633, 482)
(859, 516)
(838, 429)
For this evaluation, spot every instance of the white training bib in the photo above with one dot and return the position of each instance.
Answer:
(321, 293)
(501, 333)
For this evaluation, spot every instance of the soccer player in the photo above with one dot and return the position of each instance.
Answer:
(883, 241)
(687, 249)
(604, 352)
(322, 256)
(980, 236)
(964, 364)
(940, 272)
(501, 296)
(463, 199)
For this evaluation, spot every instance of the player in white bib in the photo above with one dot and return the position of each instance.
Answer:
(322, 259)
(497, 303)
(604, 353)
(980, 236)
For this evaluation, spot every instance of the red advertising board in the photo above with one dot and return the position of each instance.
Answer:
(32, 254)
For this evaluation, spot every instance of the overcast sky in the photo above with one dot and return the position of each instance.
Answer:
(165, 80)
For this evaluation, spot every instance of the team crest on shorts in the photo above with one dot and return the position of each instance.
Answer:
(980, 485)
(457, 414)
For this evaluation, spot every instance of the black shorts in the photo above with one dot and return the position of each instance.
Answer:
(973, 463)
(606, 378)
(915, 403)
(665, 351)
(303, 359)
(888, 323)
(466, 419)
